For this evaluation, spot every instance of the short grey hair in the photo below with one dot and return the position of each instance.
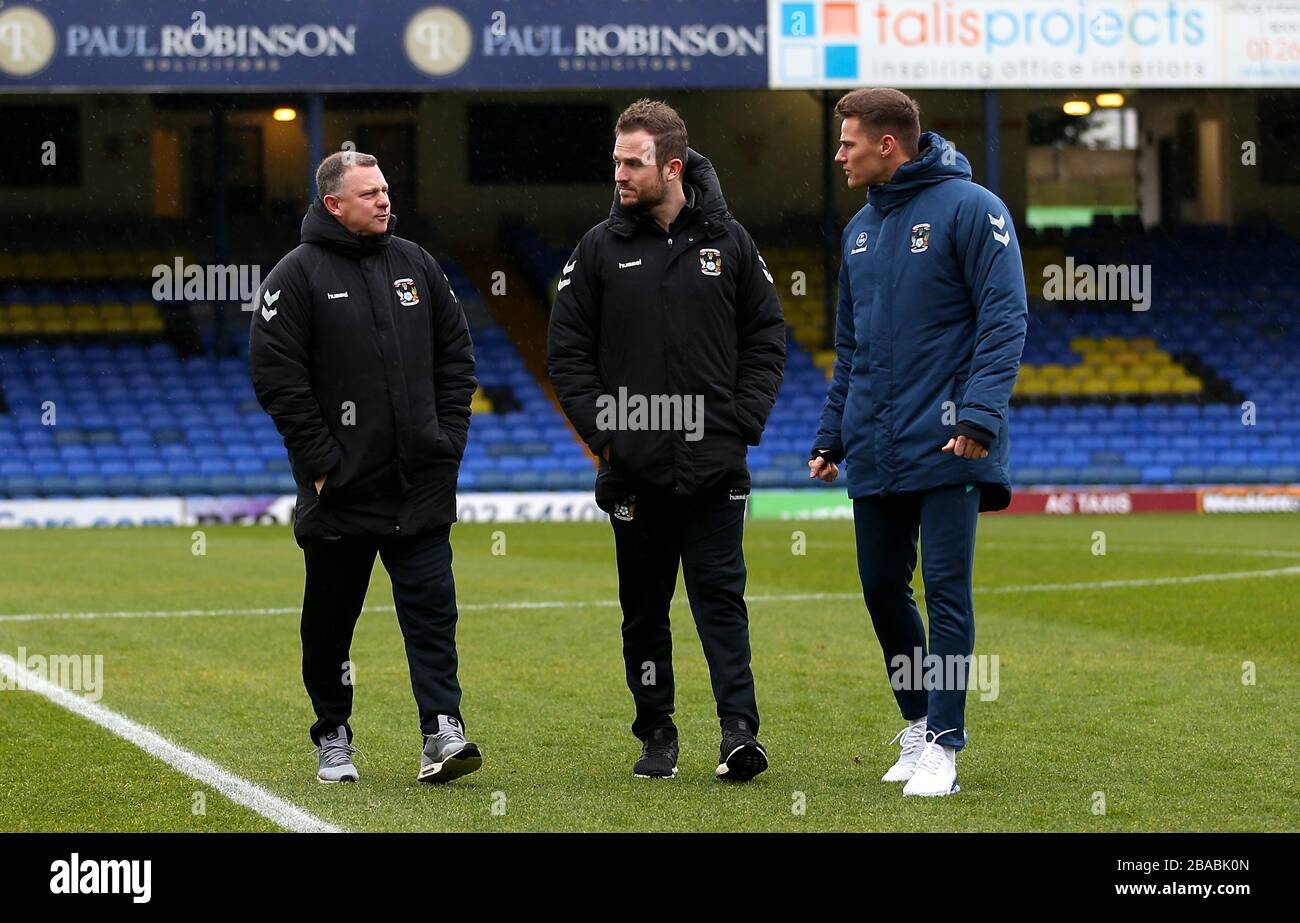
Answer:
(329, 175)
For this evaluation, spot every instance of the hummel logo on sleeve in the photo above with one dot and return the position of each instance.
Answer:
(332, 295)
(270, 299)
(1000, 222)
(568, 268)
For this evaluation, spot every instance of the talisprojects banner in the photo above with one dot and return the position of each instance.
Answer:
(1022, 44)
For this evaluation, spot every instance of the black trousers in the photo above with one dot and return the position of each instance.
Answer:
(704, 534)
(424, 593)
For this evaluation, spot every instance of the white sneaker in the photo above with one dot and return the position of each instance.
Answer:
(912, 743)
(936, 770)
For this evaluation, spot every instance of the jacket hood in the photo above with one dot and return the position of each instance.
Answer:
(320, 227)
(928, 168)
(700, 175)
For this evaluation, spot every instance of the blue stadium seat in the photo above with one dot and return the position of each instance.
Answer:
(493, 480)
(257, 483)
(1110, 474)
(1157, 474)
(562, 480)
(188, 484)
(55, 486)
(122, 485)
(1189, 474)
(20, 487)
(768, 477)
(224, 484)
(216, 466)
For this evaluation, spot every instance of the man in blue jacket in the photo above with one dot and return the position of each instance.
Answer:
(930, 328)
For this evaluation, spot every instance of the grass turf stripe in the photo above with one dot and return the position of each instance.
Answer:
(237, 789)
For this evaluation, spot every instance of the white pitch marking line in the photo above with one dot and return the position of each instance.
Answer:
(1116, 546)
(609, 603)
(1144, 581)
(142, 614)
(237, 789)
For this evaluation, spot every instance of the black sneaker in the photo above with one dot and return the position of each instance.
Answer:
(742, 757)
(658, 756)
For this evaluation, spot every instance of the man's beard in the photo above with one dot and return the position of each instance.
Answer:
(647, 199)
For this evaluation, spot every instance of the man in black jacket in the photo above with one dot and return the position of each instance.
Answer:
(666, 350)
(361, 354)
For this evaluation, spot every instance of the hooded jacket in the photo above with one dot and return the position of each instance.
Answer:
(929, 332)
(645, 317)
(360, 353)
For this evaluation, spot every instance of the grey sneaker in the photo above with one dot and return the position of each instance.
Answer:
(336, 757)
(447, 754)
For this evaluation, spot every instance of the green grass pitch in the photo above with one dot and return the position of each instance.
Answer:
(1121, 682)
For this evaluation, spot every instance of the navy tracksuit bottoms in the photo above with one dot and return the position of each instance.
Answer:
(928, 680)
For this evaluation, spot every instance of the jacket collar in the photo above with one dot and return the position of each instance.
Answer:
(936, 162)
(320, 227)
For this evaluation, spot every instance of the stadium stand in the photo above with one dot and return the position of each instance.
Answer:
(1107, 394)
(143, 403)
(119, 407)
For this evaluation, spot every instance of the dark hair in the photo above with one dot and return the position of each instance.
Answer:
(884, 111)
(329, 175)
(664, 125)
